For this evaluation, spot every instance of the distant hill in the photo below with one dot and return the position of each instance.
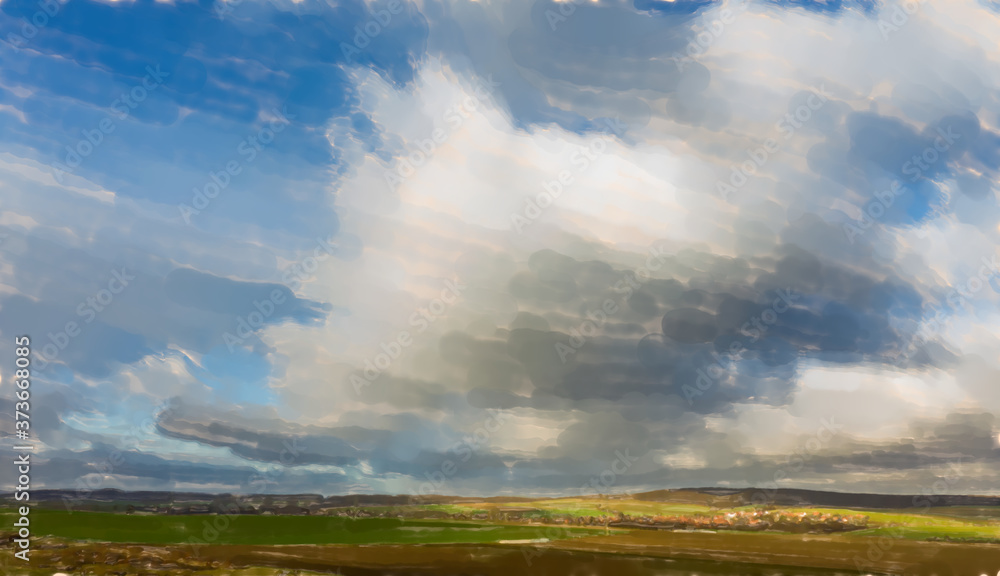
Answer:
(113, 495)
(716, 497)
(730, 497)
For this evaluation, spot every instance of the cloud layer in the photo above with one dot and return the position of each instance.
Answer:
(483, 248)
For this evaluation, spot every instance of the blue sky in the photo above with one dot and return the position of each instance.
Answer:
(519, 237)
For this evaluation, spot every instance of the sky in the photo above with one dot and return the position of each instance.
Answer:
(502, 247)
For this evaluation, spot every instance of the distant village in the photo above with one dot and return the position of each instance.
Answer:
(756, 519)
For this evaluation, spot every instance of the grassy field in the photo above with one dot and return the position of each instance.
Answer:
(635, 553)
(969, 523)
(937, 523)
(597, 507)
(587, 507)
(894, 542)
(982, 524)
(276, 530)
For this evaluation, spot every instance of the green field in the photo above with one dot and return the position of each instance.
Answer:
(965, 523)
(596, 507)
(958, 523)
(914, 525)
(529, 538)
(325, 529)
(274, 530)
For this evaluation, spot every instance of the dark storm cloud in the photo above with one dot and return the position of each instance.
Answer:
(398, 448)
(62, 464)
(777, 311)
(587, 448)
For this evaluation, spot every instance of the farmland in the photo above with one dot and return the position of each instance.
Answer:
(679, 534)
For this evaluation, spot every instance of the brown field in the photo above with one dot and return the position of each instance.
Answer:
(487, 537)
(637, 553)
